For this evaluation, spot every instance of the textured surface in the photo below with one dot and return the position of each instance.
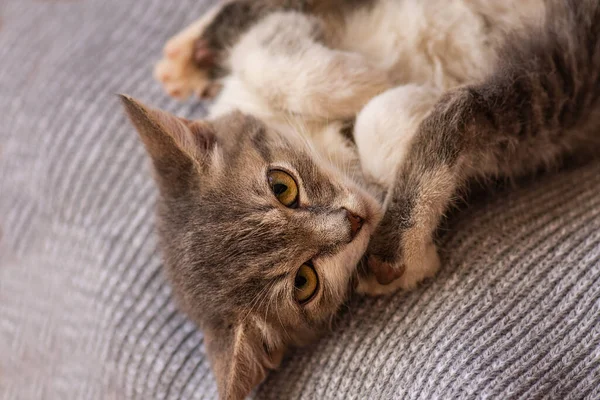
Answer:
(85, 312)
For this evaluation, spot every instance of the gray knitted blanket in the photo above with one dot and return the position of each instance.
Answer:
(85, 312)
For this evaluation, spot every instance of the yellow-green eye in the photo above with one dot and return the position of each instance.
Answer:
(306, 284)
(284, 187)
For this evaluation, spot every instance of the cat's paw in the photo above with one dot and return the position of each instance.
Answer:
(368, 285)
(418, 263)
(186, 66)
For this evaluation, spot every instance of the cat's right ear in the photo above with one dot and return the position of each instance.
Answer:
(239, 357)
(174, 144)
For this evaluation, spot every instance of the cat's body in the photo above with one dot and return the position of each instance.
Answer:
(264, 218)
(389, 43)
(380, 44)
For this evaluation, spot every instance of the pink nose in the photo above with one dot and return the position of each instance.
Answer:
(356, 222)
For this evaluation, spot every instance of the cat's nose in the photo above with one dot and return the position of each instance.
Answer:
(356, 222)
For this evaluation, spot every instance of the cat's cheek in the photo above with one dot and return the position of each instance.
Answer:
(386, 126)
(337, 271)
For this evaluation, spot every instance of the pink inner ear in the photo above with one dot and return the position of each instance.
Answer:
(203, 135)
(275, 358)
(192, 137)
(238, 358)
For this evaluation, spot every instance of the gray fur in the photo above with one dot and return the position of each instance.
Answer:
(229, 246)
(231, 249)
(538, 106)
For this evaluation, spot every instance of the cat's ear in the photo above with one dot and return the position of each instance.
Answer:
(171, 141)
(240, 359)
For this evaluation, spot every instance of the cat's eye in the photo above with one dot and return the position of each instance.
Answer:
(306, 284)
(284, 187)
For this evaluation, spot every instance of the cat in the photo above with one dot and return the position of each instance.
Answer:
(340, 133)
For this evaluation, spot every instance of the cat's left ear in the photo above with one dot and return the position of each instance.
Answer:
(240, 360)
(168, 138)
(178, 147)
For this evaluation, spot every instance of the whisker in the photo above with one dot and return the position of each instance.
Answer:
(279, 318)
(256, 300)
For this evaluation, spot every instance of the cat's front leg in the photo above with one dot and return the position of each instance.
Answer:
(402, 251)
(438, 161)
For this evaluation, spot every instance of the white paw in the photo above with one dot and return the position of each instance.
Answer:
(415, 267)
(420, 265)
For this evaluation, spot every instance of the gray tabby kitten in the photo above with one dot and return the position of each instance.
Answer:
(265, 213)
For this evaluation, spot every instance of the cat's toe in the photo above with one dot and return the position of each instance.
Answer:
(185, 68)
(421, 265)
(204, 56)
(380, 277)
(177, 92)
(174, 48)
(172, 80)
(163, 71)
(388, 277)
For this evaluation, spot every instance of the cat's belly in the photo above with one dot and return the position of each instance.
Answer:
(439, 42)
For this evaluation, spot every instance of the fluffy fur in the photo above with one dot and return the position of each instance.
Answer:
(442, 92)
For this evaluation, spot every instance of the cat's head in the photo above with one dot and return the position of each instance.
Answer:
(261, 237)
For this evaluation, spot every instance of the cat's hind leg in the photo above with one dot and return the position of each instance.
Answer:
(279, 50)
(185, 68)
(285, 60)
(196, 58)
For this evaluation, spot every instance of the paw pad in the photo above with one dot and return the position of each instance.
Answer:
(184, 69)
(385, 272)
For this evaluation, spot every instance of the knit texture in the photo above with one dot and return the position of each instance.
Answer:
(86, 313)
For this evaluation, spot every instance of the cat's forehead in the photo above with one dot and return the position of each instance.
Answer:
(250, 149)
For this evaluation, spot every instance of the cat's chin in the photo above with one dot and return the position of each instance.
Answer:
(339, 269)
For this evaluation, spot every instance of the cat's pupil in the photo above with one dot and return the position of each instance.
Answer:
(300, 281)
(279, 188)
